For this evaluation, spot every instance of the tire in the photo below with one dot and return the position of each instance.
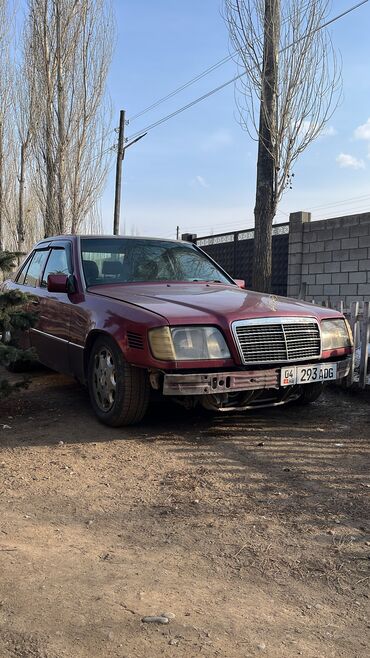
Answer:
(119, 393)
(310, 393)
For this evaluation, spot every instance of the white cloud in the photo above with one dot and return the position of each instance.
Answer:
(345, 160)
(363, 132)
(216, 141)
(201, 181)
(329, 131)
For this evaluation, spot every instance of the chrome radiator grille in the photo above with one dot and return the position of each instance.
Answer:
(274, 340)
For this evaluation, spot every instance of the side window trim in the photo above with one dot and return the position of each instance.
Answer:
(67, 250)
(38, 280)
(43, 269)
(24, 269)
(69, 254)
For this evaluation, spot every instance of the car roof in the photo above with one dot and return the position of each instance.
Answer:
(55, 238)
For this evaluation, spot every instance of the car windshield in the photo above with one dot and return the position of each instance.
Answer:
(120, 260)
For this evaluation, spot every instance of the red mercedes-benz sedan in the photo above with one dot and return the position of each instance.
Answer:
(135, 316)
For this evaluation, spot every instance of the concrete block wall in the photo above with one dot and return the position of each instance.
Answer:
(329, 259)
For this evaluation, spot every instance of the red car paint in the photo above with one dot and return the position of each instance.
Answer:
(68, 322)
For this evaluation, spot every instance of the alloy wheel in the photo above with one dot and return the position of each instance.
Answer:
(104, 379)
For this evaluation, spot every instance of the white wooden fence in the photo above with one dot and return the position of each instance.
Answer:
(359, 319)
(358, 316)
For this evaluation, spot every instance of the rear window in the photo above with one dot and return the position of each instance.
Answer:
(107, 260)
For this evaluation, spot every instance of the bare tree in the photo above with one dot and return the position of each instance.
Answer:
(70, 46)
(5, 103)
(26, 119)
(9, 191)
(289, 89)
(93, 224)
(88, 152)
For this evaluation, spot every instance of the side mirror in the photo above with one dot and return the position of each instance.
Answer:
(57, 283)
(240, 283)
(61, 283)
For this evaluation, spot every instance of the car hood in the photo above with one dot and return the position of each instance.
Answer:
(209, 303)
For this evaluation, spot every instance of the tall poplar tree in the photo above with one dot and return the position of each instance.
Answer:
(289, 89)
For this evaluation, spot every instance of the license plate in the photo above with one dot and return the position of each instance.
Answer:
(319, 372)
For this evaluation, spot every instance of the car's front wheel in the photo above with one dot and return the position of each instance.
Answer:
(119, 392)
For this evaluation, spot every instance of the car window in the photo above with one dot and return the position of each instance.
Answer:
(22, 274)
(132, 260)
(57, 264)
(35, 268)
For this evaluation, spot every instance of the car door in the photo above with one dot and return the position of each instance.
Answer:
(27, 282)
(51, 334)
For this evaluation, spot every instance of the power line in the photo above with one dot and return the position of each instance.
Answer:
(365, 209)
(214, 229)
(341, 203)
(186, 107)
(331, 214)
(100, 155)
(196, 78)
(240, 75)
(241, 223)
(201, 75)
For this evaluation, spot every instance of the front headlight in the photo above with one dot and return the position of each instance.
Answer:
(335, 334)
(188, 344)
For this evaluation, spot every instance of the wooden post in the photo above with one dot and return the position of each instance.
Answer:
(120, 154)
(354, 326)
(365, 335)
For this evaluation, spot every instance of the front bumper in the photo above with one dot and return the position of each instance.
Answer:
(229, 382)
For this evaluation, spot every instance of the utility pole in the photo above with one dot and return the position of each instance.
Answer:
(177, 232)
(120, 154)
(121, 149)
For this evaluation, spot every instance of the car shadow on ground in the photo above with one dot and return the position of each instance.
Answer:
(282, 459)
(298, 472)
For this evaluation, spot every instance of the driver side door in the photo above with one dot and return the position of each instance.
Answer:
(51, 335)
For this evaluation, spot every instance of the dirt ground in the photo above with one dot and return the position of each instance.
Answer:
(251, 531)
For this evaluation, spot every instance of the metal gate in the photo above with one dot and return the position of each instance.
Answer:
(234, 252)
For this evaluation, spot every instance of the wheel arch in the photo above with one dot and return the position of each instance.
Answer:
(91, 338)
(128, 394)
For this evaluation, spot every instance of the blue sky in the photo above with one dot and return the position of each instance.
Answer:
(197, 170)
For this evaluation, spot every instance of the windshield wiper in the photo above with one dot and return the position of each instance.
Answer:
(207, 281)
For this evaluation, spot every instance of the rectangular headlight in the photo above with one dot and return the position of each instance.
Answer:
(161, 344)
(335, 334)
(191, 343)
